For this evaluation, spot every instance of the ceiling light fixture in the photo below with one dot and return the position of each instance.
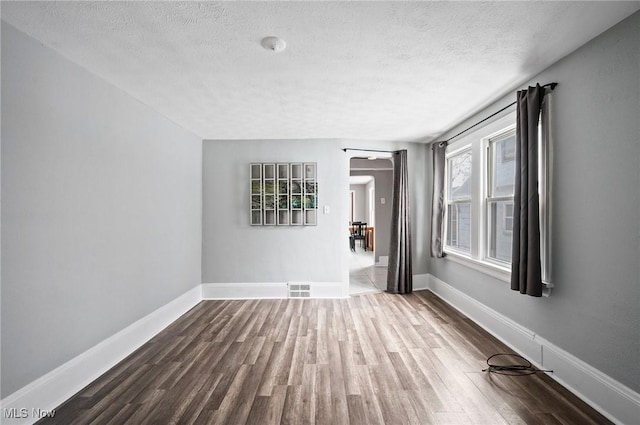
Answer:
(275, 44)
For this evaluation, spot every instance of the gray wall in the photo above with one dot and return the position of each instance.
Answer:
(235, 252)
(101, 211)
(594, 311)
(361, 210)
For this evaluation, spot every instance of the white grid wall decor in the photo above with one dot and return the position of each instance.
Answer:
(283, 194)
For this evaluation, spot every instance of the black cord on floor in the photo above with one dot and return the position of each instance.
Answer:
(513, 369)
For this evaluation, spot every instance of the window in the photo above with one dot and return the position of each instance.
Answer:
(500, 179)
(459, 201)
(479, 188)
(507, 218)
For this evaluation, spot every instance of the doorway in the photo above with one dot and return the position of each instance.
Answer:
(370, 186)
(362, 259)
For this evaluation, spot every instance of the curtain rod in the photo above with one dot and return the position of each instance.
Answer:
(366, 150)
(552, 85)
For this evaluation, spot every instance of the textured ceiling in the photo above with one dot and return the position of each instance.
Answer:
(357, 70)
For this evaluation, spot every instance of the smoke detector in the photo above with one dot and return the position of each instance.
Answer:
(272, 43)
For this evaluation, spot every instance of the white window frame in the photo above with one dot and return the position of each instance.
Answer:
(506, 216)
(488, 197)
(478, 141)
(545, 180)
(450, 202)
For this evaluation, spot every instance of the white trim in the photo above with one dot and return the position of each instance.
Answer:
(327, 290)
(372, 168)
(267, 290)
(243, 291)
(366, 153)
(489, 268)
(457, 150)
(617, 402)
(54, 388)
(487, 150)
(352, 201)
(546, 188)
(493, 270)
(420, 282)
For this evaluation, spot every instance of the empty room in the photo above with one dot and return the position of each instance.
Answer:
(320, 212)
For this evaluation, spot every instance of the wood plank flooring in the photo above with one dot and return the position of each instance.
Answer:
(371, 359)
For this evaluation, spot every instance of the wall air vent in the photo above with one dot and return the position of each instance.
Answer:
(299, 290)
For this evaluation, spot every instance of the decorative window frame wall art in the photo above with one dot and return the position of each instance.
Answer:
(283, 194)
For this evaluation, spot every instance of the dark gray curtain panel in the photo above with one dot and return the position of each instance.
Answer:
(437, 200)
(526, 274)
(400, 274)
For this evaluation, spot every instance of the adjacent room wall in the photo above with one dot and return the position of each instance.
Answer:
(593, 312)
(101, 211)
(360, 201)
(368, 187)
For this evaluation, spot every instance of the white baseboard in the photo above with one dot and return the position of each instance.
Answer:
(420, 282)
(270, 290)
(49, 391)
(611, 398)
(329, 290)
(383, 261)
(243, 291)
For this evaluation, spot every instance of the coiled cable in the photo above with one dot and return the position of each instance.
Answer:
(512, 369)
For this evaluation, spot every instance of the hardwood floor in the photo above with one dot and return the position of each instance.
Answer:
(371, 359)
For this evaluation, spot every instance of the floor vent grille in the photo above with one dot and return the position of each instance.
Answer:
(299, 290)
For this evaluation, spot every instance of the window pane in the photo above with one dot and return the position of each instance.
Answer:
(501, 225)
(459, 226)
(460, 176)
(504, 166)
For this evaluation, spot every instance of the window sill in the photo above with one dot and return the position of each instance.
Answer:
(493, 270)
